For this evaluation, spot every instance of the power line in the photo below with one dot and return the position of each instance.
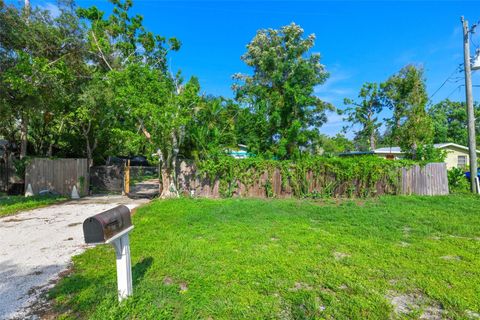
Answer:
(453, 91)
(457, 70)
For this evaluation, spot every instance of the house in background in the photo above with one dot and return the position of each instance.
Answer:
(457, 155)
(240, 153)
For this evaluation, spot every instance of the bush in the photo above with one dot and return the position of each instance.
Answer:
(457, 182)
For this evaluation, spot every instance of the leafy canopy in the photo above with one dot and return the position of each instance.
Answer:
(285, 113)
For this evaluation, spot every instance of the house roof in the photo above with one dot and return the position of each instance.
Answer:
(451, 144)
(397, 150)
(392, 150)
(355, 153)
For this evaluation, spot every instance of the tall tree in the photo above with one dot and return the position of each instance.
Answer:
(365, 114)
(450, 121)
(37, 55)
(118, 43)
(405, 94)
(280, 92)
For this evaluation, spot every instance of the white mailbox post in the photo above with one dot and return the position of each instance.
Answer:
(121, 243)
(113, 227)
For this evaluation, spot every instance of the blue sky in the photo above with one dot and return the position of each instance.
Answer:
(359, 41)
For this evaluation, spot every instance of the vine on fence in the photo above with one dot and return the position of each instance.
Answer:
(333, 176)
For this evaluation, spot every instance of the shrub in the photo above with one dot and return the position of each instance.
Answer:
(457, 182)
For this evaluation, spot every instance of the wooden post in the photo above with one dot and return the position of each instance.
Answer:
(472, 144)
(127, 177)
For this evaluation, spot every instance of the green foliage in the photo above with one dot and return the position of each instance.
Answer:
(20, 166)
(347, 177)
(211, 128)
(457, 181)
(334, 145)
(279, 98)
(121, 39)
(287, 259)
(365, 114)
(428, 153)
(405, 94)
(450, 122)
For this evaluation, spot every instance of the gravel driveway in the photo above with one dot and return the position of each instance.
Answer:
(35, 246)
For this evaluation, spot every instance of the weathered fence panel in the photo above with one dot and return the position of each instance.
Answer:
(190, 182)
(59, 175)
(429, 180)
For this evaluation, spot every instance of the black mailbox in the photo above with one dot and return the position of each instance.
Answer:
(105, 225)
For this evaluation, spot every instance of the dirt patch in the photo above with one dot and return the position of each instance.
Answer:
(341, 201)
(340, 255)
(451, 258)
(301, 286)
(167, 281)
(472, 315)
(415, 304)
(183, 287)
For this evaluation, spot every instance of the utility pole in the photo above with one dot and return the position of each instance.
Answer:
(472, 145)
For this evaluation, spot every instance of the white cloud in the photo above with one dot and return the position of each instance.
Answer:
(53, 8)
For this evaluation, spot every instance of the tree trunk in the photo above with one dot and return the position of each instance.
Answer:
(414, 151)
(167, 185)
(50, 149)
(372, 141)
(23, 137)
(89, 150)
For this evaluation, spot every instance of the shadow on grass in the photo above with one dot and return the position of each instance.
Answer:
(140, 268)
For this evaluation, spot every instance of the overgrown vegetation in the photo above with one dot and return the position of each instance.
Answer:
(330, 176)
(13, 204)
(288, 259)
(457, 181)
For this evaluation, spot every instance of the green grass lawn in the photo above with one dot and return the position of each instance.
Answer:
(13, 204)
(393, 257)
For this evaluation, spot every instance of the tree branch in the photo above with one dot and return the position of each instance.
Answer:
(100, 50)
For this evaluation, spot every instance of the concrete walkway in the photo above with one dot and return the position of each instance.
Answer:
(35, 246)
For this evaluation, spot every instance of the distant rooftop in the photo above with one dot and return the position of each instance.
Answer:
(397, 150)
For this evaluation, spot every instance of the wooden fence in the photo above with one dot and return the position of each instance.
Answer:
(422, 180)
(59, 175)
(429, 180)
